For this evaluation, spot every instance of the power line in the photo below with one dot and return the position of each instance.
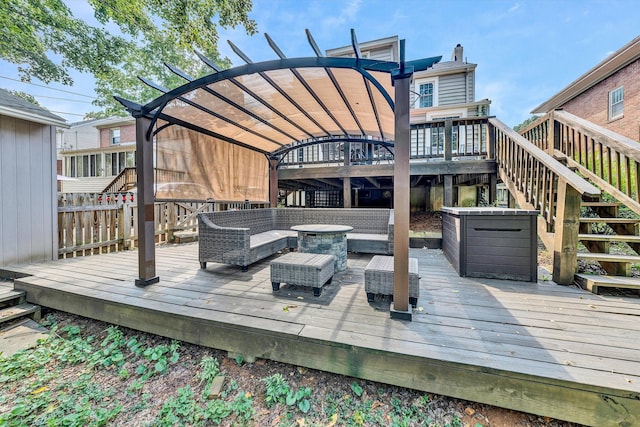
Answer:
(67, 114)
(48, 87)
(62, 99)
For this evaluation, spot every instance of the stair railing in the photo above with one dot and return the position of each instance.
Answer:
(126, 177)
(539, 182)
(609, 160)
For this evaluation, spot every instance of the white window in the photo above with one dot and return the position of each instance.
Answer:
(426, 95)
(115, 136)
(616, 103)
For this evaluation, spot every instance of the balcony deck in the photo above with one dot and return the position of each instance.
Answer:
(535, 347)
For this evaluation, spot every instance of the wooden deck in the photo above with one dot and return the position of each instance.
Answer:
(540, 348)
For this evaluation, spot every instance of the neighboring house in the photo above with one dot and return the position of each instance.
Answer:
(608, 95)
(29, 208)
(446, 90)
(94, 152)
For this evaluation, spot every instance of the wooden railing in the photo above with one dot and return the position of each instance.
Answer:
(539, 182)
(90, 223)
(438, 139)
(610, 160)
(123, 181)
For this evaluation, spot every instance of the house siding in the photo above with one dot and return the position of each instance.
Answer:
(28, 212)
(593, 104)
(80, 137)
(452, 89)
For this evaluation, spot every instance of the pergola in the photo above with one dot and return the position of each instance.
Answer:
(270, 108)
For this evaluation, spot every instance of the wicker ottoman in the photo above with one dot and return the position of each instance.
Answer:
(303, 269)
(378, 278)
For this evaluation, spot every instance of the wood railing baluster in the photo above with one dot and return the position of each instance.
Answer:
(524, 168)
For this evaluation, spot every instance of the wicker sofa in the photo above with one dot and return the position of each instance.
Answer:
(246, 236)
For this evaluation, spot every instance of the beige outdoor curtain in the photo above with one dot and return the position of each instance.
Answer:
(194, 166)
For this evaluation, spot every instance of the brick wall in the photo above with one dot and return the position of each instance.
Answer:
(593, 105)
(127, 135)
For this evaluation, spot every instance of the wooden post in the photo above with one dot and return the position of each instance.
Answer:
(448, 139)
(493, 188)
(346, 191)
(401, 79)
(448, 191)
(491, 149)
(273, 182)
(145, 200)
(346, 181)
(553, 134)
(567, 223)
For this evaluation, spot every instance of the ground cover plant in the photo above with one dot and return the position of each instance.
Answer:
(89, 373)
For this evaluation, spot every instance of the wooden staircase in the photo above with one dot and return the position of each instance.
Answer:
(13, 305)
(610, 162)
(598, 235)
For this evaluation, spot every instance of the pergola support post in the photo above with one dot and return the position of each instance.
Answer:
(273, 182)
(146, 223)
(346, 192)
(346, 181)
(401, 79)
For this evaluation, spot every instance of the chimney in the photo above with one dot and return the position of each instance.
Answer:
(456, 56)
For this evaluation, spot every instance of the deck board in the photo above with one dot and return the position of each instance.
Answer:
(536, 347)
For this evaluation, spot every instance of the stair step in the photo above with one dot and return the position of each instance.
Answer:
(21, 310)
(611, 220)
(9, 295)
(601, 204)
(593, 282)
(609, 238)
(591, 256)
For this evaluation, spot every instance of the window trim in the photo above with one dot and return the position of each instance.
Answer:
(612, 104)
(112, 137)
(417, 83)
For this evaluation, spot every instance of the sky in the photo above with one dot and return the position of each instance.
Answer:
(525, 51)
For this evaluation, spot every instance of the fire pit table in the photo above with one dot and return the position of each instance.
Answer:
(324, 239)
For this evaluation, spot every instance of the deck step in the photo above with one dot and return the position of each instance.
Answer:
(611, 220)
(600, 204)
(609, 238)
(608, 257)
(613, 264)
(593, 283)
(18, 311)
(11, 297)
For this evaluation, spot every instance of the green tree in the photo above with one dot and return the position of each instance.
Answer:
(47, 41)
(526, 123)
(26, 97)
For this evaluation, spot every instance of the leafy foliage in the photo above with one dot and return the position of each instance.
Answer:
(76, 380)
(526, 123)
(37, 33)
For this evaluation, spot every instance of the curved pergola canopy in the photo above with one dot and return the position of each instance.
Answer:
(267, 109)
(273, 106)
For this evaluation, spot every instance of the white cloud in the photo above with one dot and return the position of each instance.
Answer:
(347, 14)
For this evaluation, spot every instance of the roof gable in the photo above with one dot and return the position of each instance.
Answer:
(14, 106)
(613, 63)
